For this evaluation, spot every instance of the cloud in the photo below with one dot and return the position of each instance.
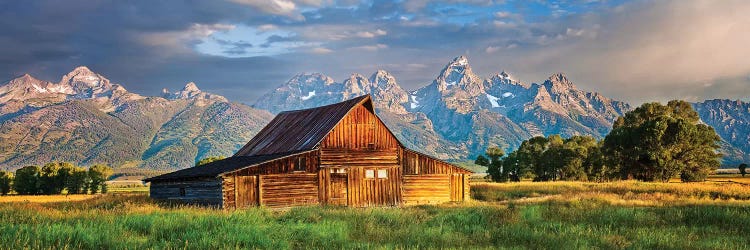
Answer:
(660, 46)
(636, 51)
(267, 27)
(368, 34)
(375, 47)
(321, 50)
(276, 7)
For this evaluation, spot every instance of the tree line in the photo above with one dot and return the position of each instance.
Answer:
(54, 177)
(654, 142)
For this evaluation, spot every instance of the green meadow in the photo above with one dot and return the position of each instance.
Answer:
(557, 215)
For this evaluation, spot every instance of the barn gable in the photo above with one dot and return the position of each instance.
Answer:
(300, 130)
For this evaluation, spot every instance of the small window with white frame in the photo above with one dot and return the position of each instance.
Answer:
(369, 174)
(382, 174)
(338, 170)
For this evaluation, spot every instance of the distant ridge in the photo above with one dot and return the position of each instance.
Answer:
(87, 119)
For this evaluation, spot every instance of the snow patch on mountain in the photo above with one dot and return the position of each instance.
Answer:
(308, 96)
(493, 100)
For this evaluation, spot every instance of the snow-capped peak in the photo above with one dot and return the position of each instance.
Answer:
(191, 87)
(461, 61)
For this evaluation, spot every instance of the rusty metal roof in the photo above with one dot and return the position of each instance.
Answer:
(299, 130)
(214, 169)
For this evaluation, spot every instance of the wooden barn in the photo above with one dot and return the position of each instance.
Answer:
(339, 154)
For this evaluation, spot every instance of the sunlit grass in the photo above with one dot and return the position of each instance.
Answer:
(556, 215)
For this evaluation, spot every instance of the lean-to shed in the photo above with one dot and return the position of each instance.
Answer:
(339, 154)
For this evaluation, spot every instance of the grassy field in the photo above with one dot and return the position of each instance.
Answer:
(561, 215)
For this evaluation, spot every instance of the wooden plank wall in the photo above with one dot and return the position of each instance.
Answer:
(286, 190)
(280, 166)
(457, 187)
(360, 130)
(426, 189)
(202, 191)
(423, 169)
(339, 157)
(366, 192)
(415, 163)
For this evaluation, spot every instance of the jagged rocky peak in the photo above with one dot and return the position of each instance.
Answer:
(559, 82)
(310, 79)
(387, 93)
(356, 85)
(84, 81)
(383, 80)
(191, 91)
(458, 74)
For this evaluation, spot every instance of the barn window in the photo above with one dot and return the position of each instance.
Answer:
(338, 171)
(382, 174)
(182, 191)
(300, 164)
(370, 174)
(371, 146)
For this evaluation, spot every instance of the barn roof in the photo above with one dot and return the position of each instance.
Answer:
(216, 168)
(299, 130)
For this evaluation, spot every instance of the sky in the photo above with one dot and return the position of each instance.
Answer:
(635, 51)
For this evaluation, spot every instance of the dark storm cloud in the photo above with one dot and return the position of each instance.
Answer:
(121, 40)
(620, 49)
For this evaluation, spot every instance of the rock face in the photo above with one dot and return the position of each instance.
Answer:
(731, 120)
(86, 119)
(459, 114)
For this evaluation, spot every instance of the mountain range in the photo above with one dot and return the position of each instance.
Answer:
(87, 119)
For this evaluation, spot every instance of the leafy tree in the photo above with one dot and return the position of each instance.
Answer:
(493, 163)
(743, 169)
(27, 180)
(208, 160)
(77, 181)
(495, 169)
(656, 142)
(98, 175)
(54, 176)
(530, 157)
(482, 161)
(6, 180)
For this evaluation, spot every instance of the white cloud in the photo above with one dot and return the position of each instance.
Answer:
(321, 50)
(368, 34)
(267, 27)
(491, 49)
(371, 47)
(277, 7)
(655, 46)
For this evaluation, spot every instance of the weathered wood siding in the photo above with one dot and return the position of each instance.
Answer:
(280, 166)
(416, 163)
(361, 142)
(426, 189)
(428, 180)
(360, 130)
(286, 190)
(363, 191)
(202, 191)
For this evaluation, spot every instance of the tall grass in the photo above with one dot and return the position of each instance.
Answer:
(133, 221)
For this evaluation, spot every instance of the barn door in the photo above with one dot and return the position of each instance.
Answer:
(457, 187)
(246, 191)
(337, 189)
